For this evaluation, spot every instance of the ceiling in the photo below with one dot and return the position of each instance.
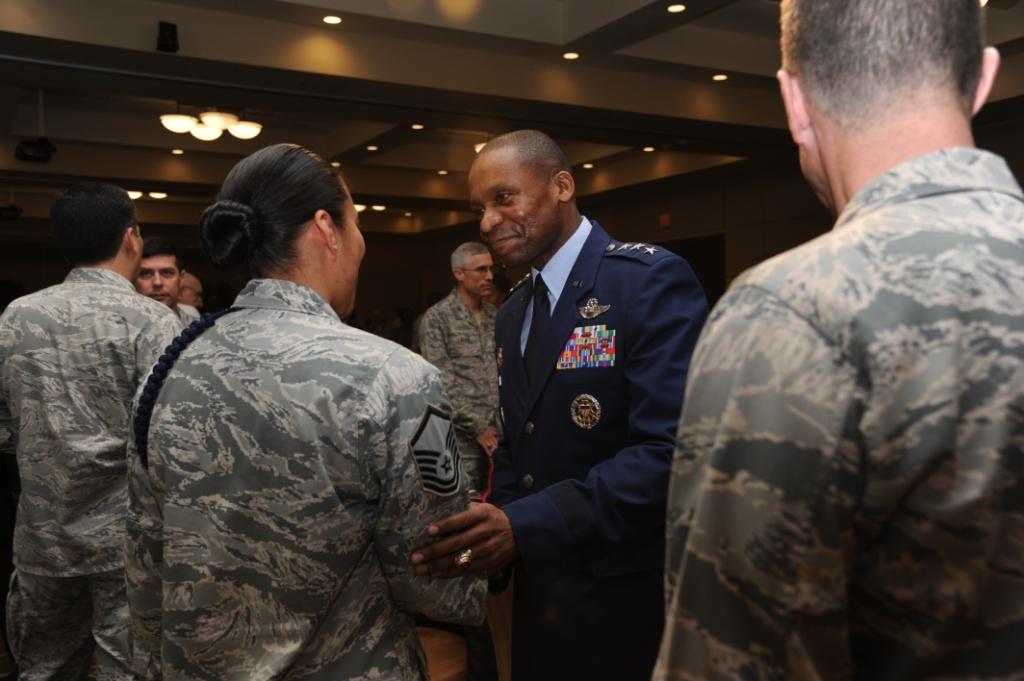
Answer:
(466, 70)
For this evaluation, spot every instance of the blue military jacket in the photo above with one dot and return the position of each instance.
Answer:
(583, 470)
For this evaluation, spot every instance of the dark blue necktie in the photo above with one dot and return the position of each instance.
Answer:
(541, 315)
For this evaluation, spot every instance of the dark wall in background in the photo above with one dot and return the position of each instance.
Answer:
(706, 257)
(722, 221)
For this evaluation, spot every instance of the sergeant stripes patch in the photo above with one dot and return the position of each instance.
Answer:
(436, 453)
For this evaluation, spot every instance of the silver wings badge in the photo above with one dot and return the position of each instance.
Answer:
(593, 309)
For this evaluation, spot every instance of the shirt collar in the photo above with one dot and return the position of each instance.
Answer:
(556, 271)
(940, 172)
(279, 294)
(97, 275)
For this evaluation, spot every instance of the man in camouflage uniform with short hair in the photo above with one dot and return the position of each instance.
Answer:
(846, 492)
(269, 536)
(457, 336)
(72, 356)
(160, 278)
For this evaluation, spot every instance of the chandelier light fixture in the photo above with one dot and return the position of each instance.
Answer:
(210, 125)
(206, 133)
(177, 121)
(221, 120)
(245, 130)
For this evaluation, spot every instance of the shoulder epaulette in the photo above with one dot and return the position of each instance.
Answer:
(519, 283)
(635, 250)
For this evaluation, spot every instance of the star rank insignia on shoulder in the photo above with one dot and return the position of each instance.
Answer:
(637, 250)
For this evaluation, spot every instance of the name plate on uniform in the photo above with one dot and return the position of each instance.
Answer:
(588, 347)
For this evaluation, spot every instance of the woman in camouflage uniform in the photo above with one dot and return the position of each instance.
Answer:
(286, 464)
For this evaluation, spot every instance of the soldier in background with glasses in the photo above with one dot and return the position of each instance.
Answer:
(457, 336)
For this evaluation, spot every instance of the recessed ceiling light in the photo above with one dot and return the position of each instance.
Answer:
(332, 20)
(408, 214)
(335, 164)
(648, 150)
(588, 166)
(359, 207)
(177, 152)
(676, 9)
(478, 146)
(442, 172)
(377, 207)
(417, 126)
(719, 77)
(372, 147)
(984, 2)
(570, 55)
(132, 194)
(158, 195)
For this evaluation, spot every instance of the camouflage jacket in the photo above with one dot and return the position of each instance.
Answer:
(293, 466)
(72, 356)
(451, 339)
(846, 492)
(187, 314)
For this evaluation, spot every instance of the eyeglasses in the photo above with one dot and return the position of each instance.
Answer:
(483, 269)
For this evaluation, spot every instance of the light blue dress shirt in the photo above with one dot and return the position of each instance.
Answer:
(556, 273)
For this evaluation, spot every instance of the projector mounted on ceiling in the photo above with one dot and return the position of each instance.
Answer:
(10, 212)
(40, 149)
(35, 151)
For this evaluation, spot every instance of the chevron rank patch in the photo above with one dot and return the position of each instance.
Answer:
(587, 347)
(437, 455)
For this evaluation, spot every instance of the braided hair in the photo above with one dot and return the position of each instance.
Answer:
(144, 411)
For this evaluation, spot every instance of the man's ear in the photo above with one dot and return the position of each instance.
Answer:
(989, 69)
(459, 275)
(793, 98)
(128, 243)
(565, 186)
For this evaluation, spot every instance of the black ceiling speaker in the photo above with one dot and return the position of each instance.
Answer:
(36, 151)
(10, 212)
(167, 37)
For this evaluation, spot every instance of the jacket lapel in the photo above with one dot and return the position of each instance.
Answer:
(566, 314)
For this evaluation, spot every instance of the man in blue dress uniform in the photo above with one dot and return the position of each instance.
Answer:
(592, 349)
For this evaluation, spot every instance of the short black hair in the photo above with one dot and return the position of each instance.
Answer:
(264, 203)
(534, 148)
(89, 222)
(157, 246)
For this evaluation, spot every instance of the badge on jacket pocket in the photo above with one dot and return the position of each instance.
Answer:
(586, 411)
(588, 347)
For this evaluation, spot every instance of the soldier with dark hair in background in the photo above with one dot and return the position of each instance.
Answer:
(160, 277)
(73, 356)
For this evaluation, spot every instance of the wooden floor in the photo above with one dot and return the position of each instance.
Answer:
(446, 654)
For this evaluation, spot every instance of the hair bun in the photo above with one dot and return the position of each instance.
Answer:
(228, 231)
